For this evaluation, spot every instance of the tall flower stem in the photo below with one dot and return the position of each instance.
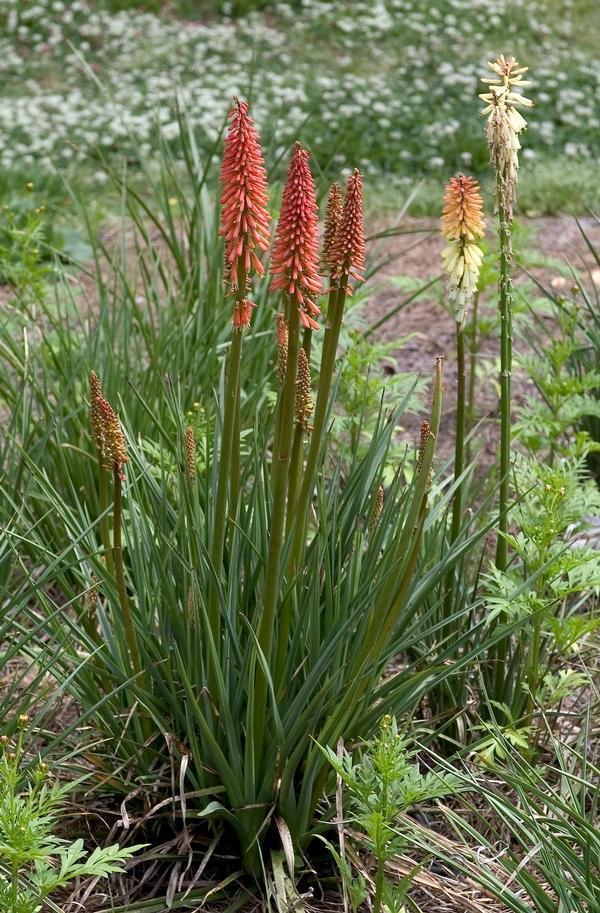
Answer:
(473, 353)
(344, 254)
(295, 476)
(279, 480)
(229, 451)
(459, 446)
(234, 473)
(104, 523)
(128, 623)
(297, 459)
(333, 324)
(505, 306)
(462, 225)
(130, 635)
(335, 313)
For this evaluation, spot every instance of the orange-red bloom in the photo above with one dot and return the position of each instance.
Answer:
(348, 250)
(295, 264)
(244, 216)
(462, 215)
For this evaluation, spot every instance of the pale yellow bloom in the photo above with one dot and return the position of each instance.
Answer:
(462, 225)
(504, 125)
(462, 262)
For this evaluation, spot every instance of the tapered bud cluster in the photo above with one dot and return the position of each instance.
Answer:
(190, 454)
(333, 218)
(106, 430)
(90, 598)
(375, 510)
(347, 255)
(304, 400)
(504, 125)
(282, 347)
(295, 264)
(462, 226)
(244, 217)
(426, 433)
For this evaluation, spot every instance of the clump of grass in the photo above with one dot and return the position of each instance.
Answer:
(238, 656)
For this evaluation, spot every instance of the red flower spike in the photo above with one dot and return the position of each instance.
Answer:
(244, 216)
(348, 252)
(295, 263)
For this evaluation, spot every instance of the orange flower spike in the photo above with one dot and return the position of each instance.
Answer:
(462, 226)
(333, 217)
(348, 253)
(295, 263)
(244, 217)
(462, 216)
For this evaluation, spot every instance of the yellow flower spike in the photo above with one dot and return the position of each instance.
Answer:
(462, 225)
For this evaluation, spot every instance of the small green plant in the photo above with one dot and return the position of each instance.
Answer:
(531, 837)
(384, 784)
(34, 862)
(550, 581)
(23, 261)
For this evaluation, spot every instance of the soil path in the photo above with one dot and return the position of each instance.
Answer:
(557, 238)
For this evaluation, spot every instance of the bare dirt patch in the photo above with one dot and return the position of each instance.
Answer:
(553, 237)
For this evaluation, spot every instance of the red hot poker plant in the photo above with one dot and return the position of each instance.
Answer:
(346, 257)
(112, 455)
(245, 227)
(295, 264)
(348, 249)
(295, 270)
(244, 216)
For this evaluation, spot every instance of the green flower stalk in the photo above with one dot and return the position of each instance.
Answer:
(504, 125)
(294, 269)
(462, 226)
(112, 455)
(344, 254)
(245, 227)
(303, 412)
(96, 422)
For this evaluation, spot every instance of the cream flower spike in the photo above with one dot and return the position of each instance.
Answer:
(462, 226)
(504, 125)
